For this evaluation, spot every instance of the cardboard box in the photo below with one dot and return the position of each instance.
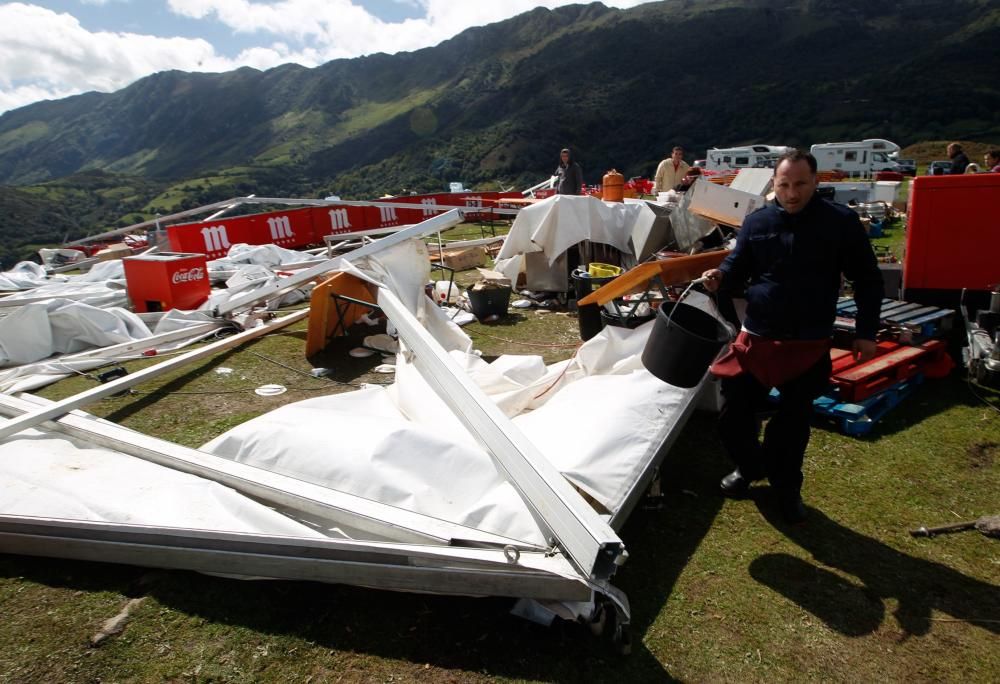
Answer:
(115, 251)
(461, 259)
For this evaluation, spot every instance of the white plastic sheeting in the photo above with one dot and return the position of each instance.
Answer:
(61, 326)
(599, 417)
(557, 223)
(48, 475)
(66, 331)
(24, 276)
(249, 267)
(102, 286)
(599, 424)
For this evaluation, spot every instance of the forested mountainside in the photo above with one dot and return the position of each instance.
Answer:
(494, 104)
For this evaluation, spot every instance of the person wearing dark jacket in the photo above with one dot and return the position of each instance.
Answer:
(958, 159)
(569, 175)
(789, 257)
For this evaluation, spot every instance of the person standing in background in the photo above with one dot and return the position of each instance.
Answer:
(992, 160)
(671, 171)
(569, 175)
(958, 159)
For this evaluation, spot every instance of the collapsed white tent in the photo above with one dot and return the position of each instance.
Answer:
(473, 461)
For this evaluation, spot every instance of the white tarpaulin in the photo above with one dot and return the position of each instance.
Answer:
(53, 476)
(598, 417)
(555, 224)
(102, 286)
(241, 255)
(24, 276)
(61, 326)
(404, 447)
(73, 324)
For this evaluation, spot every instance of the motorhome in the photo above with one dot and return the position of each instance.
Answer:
(747, 157)
(861, 158)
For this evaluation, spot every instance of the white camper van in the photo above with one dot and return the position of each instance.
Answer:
(856, 158)
(749, 157)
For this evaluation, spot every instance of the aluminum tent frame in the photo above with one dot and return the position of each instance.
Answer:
(396, 548)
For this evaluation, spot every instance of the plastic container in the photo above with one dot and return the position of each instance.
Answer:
(446, 292)
(683, 343)
(491, 301)
(606, 271)
(613, 187)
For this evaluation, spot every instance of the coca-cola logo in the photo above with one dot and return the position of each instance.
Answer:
(188, 275)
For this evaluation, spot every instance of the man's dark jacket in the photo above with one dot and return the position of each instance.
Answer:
(569, 179)
(958, 163)
(791, 265)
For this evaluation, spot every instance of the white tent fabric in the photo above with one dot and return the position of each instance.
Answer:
(599, 417)
(24, 276)
(557, 223)
(29, 376)
(263, 255)
(102, 286)
(599, 427)
(60, 326)
(49, 475)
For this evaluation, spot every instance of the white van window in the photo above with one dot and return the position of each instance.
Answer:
(879, 157)
(726, 159)
(851, 156)
(742, 161)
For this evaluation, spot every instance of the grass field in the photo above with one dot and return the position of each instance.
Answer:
(720, 590)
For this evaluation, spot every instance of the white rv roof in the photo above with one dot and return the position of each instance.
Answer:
(868, 143)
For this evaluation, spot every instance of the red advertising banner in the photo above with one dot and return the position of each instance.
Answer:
(289, 229)
(297, 228)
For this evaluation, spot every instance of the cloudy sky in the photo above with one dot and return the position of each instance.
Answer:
(55, 48)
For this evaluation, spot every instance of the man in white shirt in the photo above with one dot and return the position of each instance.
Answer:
(671, 171)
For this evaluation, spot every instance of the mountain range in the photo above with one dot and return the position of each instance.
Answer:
(493, 106)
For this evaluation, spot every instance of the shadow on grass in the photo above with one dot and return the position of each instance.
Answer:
(856, 608)
(149, 398)
(931, 398)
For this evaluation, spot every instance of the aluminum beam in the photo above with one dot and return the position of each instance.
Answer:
(59, 408)
(566, 519)
(297, 496)
(469, 572)
(432, 225)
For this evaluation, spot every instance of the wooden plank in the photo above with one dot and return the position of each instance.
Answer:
(671, 271)
(880, 364)
(717, 218)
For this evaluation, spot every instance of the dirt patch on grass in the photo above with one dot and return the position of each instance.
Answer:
(982, 454)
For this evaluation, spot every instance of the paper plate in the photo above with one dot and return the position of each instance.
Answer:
(270, 390)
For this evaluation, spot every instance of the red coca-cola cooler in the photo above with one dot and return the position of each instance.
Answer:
(166, 280)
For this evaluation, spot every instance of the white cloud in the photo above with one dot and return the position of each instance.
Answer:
(49, 55)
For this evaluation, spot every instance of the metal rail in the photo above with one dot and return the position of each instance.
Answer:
(567, 520)
(15, 425)
(290, 494)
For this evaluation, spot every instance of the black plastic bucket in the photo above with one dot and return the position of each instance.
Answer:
(490, 301)
(683, 343)
(631, 322)
(589, 317)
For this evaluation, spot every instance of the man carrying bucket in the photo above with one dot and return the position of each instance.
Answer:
(789, 257)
